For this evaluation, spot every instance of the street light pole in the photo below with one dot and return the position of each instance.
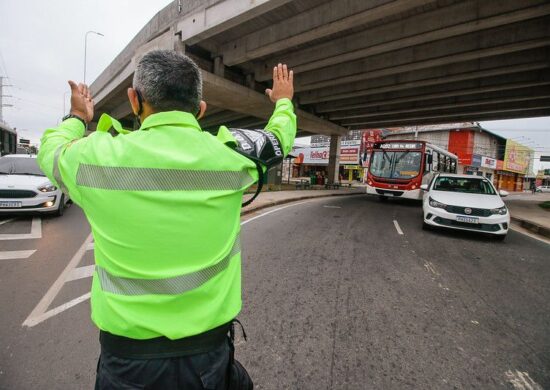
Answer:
(86, 49)
(64, 100)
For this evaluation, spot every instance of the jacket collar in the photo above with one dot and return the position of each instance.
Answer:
(177, 118)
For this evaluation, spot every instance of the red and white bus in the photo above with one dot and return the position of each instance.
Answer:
(398, 168)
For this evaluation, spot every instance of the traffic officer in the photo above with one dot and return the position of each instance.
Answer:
(164, 207)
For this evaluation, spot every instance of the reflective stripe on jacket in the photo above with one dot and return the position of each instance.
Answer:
(164, 205)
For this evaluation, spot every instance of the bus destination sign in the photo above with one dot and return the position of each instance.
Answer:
(401, 145)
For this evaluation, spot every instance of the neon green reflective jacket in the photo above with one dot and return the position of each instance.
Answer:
(164, 206)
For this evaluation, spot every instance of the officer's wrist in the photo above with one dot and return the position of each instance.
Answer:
(75, 116)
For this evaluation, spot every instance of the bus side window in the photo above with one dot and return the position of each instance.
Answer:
(427, 162)
(453, 166)
(435, 164)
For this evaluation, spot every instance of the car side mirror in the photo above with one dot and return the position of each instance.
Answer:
(503, 193)
(424, 187)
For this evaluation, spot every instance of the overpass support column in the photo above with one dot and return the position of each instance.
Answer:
(334, 159)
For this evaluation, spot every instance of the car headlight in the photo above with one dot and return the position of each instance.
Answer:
(47, 188)
(435, 203)
(501, 210)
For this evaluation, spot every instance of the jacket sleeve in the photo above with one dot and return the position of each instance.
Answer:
(268, 146)
(59, 155)
(283, 124)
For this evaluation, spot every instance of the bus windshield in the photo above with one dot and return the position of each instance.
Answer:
(396, 165)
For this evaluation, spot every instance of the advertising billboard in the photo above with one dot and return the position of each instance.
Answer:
(516, 157)
(349, 155)
(488, 162)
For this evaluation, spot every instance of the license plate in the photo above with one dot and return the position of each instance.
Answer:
(460, 218)
(10, 205)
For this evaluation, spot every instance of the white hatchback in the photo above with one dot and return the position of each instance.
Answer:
(465, 202)
(24, 188)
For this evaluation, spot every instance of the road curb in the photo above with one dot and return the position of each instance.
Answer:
(533, 227)
(290, 200)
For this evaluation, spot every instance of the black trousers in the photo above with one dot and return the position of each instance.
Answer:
(194, 372)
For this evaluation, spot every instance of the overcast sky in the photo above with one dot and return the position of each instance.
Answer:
(42, 46)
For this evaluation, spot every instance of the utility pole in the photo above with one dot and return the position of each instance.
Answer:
(2, 96)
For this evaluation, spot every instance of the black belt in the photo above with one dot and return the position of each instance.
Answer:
(163, 347)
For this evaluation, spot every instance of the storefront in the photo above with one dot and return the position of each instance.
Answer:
(481, 166)
(312, 162)
(512, 171)
(507, 180)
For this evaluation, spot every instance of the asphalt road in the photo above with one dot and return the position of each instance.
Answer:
(333, 298)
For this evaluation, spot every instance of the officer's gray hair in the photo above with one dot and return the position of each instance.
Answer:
(168, 81)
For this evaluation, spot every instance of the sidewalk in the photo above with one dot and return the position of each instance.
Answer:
(525, 211)
(274, 198)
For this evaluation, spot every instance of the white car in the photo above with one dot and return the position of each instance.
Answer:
(465, 202)
(543, 189)
(25, 189)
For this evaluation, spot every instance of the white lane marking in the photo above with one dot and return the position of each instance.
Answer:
(332, 207)
(30, 322)
(36, 232)
(81, 273)
(271, 211)
(47, 299)
(90, 246)
(399, 231)
(11, 255)
(6, 221)
(521, 380)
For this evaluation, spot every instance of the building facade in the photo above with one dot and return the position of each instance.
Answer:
(480, 152)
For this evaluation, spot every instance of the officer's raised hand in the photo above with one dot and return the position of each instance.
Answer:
(283, 87)
(82, 104)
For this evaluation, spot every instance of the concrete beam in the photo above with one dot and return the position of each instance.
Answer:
(459, 90)
(457, 19)
(511, 39)
(458, 118)
(235, 97)
(219, 16)
(537, 105)
(346, 115)
(221, 118)
(121, 111)
(326, 19)
(361, 89)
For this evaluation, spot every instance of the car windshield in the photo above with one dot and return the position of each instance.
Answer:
(19, 166)
(396, 165)
(463, 184)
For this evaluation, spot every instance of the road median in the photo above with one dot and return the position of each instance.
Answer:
(276, 198)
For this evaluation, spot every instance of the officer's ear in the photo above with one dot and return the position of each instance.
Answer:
(202, 109)
(134, 100)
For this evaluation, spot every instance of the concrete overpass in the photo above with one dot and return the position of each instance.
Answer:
(358, 63)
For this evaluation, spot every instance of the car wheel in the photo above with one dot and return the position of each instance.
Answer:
(383, 198)
(61, 209)
(425, 226)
